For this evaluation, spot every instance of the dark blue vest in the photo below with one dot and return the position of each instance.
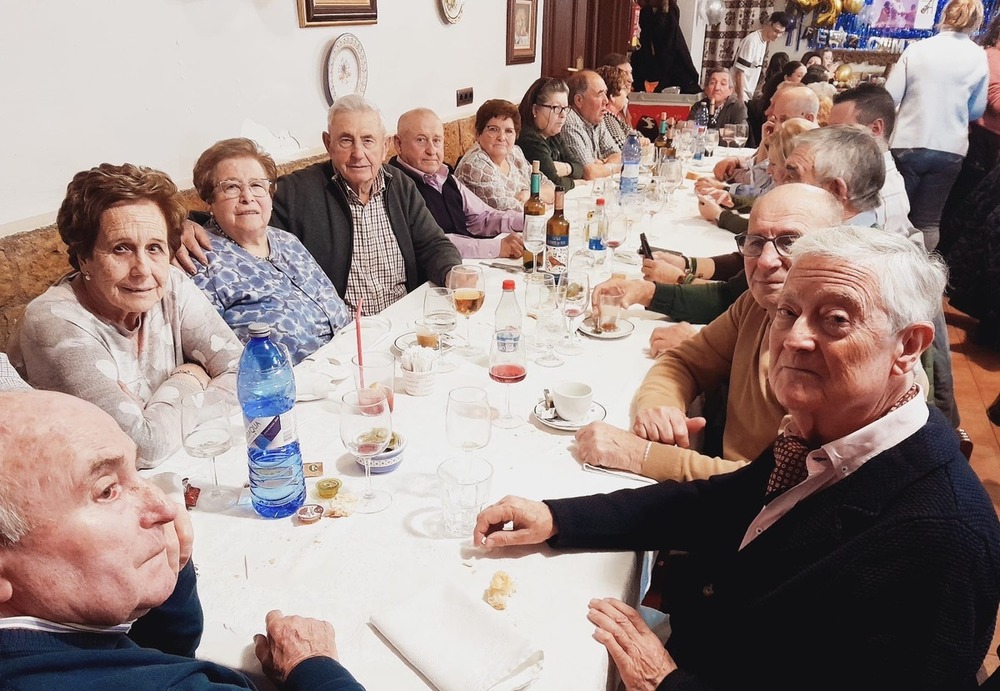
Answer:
(445, 206)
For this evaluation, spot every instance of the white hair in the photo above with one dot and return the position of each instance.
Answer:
(911, 281)
(848, 152)
(352, 103)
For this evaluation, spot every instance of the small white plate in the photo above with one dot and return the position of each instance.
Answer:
(625, 328)
(311, 386)
(374, 330)
(550, 418)
(408, 339)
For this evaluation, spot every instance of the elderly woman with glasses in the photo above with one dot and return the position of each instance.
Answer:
(543, 113)
(257, 273)
(494, 168)
(125, 330)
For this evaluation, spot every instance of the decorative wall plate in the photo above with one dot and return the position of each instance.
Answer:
(452, 10)
(346, 68)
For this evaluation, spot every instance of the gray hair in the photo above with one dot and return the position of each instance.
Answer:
(13, 525)
(352, 103)
(910, 280)
(851, 153)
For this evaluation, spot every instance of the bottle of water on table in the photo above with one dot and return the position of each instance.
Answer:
(266, 389)
(631, 156)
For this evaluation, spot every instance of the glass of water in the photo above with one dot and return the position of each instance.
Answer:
(206, 433)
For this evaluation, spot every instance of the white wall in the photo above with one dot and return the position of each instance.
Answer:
(693, 27)
(155, 82)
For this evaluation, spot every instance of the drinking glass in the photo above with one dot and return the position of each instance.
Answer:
(575, 300)
(206, 433)
(726, 134)
(671, 175)
(507, 366)
(740, 133)
(537, 291)
(467, 292)
(711, 141)
(534, 242)
(618, 229)
(468, 419)
(550, 328)
(378, 373)
(652, 201)
(439, 315)
(365, 429)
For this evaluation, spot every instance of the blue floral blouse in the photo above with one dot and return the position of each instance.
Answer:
(288, 290)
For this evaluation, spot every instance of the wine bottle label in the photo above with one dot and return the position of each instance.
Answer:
(556, 253)
(270, 433)
(534, 226)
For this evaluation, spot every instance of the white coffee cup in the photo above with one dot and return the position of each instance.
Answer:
(572, 400)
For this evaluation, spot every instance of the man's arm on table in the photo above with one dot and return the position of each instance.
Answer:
(698, 303)
(482, 220)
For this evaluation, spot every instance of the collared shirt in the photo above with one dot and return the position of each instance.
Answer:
(36, 624)
(586, 143)
(836, 460)
(751, 179)
(481, 219)
(865, 219)
(893, 211)
(9, 379)
(378, 273)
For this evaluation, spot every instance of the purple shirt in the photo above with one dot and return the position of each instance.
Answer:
(481, 219)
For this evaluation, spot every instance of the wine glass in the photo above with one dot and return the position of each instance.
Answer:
(711, 141)
(468, 419)
(534, 242)
(439, 315)
(574, 301)
(467, 292)
(671, 176)
(740, 133)
(726, 134)
(652, 201)
(365, 429)
(550, 328)
(206, 433)
(507, 366)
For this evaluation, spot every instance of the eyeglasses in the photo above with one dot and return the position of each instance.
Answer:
(556, 110)
(495, 131)
(231, 189)
(753, 245)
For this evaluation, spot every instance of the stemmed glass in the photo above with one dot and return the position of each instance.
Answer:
(468, 419)
(467, 292)
(534, 242)
(507, 366)
(727, 133)
(206, 433)
(365, 429)
(740, 133)
(671, 176)
(574, 299)
(549, 330)
(439, 316)
(684, 144)
(711, 141)
(652, 201)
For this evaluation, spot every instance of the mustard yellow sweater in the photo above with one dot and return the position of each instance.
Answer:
(733, 348)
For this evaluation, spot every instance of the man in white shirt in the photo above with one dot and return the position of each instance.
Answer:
(750, 53)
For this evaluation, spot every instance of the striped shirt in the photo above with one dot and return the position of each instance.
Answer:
(585, 143)
(378, 273)
(9, 379)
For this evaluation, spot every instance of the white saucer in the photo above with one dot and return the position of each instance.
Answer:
(374, 330)
(550, 418)
(408, 339)
(625, 328)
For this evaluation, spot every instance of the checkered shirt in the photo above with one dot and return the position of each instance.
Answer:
(378, 273)
(9, 379)
(585, 143)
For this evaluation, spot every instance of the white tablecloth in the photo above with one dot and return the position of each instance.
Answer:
(343, 569)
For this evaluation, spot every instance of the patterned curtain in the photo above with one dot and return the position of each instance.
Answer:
(742, 17)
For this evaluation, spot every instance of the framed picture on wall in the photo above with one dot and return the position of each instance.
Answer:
(327, 12)
(521, 18)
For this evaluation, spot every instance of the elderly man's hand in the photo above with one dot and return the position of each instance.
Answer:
(766, 130)
(562, 169)
(638, 654)
(605, 445)
(708, 185)
(664, 338)
(636, 292)
(511, 246)
(660, 271)
(194, 241)
(667, 425)
(726, 168)
(709, 209)
(671, 258)
(532, 521)
(290, 641)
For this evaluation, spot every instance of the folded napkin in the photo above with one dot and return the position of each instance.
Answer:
(458, 643)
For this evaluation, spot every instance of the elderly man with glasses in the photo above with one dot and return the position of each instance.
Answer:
(731, 349)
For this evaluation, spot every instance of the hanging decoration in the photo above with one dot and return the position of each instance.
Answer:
(715, 11)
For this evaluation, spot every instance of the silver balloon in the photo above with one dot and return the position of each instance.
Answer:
(714, 11)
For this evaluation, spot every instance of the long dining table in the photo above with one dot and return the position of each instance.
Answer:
(345, 569)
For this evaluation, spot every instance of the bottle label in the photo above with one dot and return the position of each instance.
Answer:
(508, 341)
(271, 433)
(534, 226)
(596, 243)
(557, 256)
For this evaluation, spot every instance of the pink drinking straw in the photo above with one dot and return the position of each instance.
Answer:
(361, 360)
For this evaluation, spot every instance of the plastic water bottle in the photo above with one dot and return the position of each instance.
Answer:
(701, 129)
(631, 155)
(597, 242)
(508, 314)
(265, 386)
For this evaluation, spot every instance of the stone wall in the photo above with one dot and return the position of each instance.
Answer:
(31, 261)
